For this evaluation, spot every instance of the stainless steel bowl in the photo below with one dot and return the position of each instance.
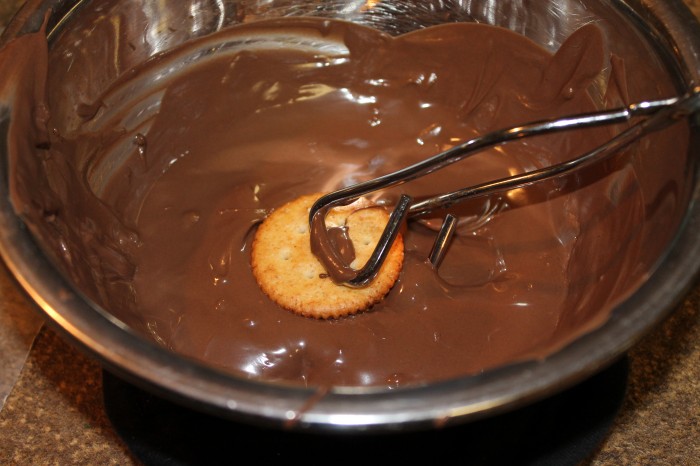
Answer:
(660, 40)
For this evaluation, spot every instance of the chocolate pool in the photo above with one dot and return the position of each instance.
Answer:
(145, 143)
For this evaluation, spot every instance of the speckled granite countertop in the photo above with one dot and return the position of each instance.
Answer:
(54, 413)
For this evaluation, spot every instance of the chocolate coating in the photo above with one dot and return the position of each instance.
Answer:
(153, 192)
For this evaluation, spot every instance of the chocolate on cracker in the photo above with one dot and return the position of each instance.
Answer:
(289, 273)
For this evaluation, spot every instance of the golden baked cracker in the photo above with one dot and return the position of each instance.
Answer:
(289, 273)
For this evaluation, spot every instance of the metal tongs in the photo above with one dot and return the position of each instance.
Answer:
(658, 114)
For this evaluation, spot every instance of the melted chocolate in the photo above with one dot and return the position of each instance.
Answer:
(157, 189)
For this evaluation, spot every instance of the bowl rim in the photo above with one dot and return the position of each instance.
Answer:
(187, 382)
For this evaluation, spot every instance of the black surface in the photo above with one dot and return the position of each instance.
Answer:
(561, 430)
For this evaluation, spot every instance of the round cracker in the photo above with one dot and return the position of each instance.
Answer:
(289, 273)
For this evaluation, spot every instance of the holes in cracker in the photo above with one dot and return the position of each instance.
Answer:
(310, 274)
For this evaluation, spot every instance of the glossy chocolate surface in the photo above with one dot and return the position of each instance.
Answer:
(152, 192)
